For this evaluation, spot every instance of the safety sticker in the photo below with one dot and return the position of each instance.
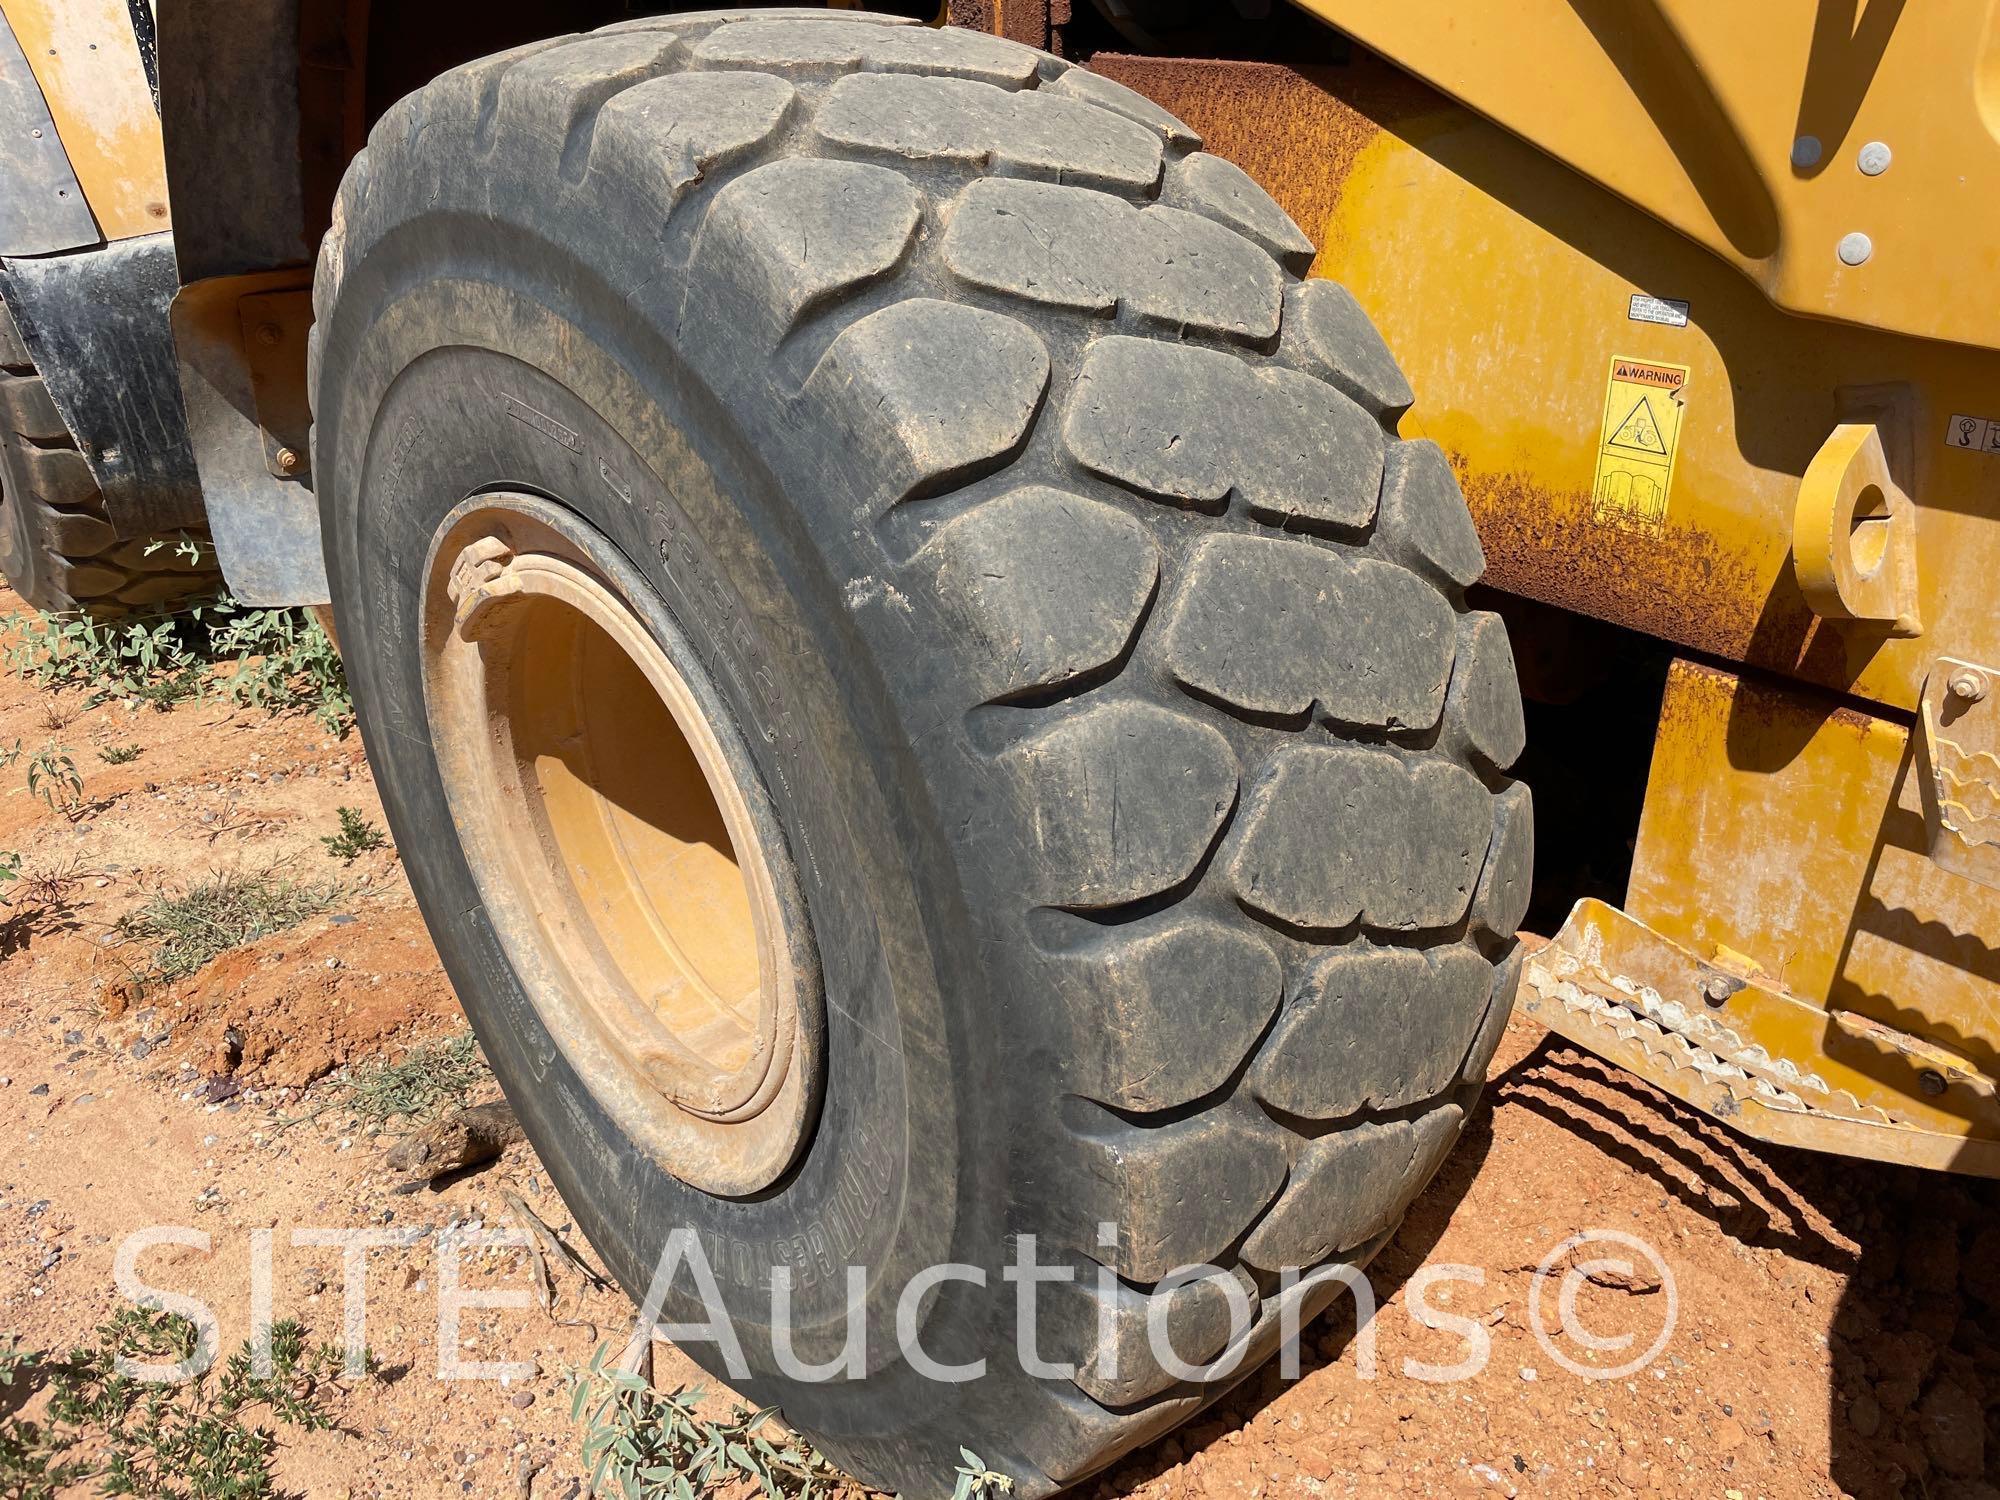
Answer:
(1643, 406)
(1669, 311)
(1973, 432)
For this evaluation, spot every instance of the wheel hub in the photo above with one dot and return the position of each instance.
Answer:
(626, 849)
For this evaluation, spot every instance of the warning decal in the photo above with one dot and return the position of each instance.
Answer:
(1636, 445)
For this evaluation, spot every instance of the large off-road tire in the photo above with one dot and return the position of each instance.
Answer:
(1086, 660)
(58, 547)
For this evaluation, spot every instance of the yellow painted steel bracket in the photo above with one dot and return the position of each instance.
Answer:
(1854, 533)
(1740, 1047)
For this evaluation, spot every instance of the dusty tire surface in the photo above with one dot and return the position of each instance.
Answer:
(1104, 651)
(58, 547)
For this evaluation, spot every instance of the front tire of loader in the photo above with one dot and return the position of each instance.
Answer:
(910, 739)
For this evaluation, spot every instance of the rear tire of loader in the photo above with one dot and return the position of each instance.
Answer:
(58, 547)
(1068, 638)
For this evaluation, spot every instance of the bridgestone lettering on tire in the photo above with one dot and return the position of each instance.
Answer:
(1102, 648)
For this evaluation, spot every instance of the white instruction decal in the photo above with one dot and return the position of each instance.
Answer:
(1973, 432)
(1658, 310)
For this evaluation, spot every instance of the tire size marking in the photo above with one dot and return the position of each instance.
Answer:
(822, 1250)
(547, 426)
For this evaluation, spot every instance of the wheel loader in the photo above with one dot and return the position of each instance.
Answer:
(941, 688)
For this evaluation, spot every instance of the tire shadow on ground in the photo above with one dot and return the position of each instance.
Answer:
(1913, 1399)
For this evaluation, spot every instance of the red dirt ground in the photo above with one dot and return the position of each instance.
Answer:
(1838, 1323)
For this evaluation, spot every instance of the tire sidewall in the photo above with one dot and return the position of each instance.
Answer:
(444, 389)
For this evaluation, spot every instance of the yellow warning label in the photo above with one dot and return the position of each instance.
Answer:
(1635, 450)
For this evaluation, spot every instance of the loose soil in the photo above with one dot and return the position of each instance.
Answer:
(1837, 1328)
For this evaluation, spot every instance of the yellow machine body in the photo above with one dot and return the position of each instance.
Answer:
(1593, 239)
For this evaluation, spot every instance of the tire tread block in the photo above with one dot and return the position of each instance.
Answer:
(29, 411)
(697, 23)
(1484, 707)
(1499, 1005)
(1142, 991)
(670, 132)
(1045, 584)
(1348, 1187)
(59, 478)
(1197, 427)
(1327, 332)
(830, 48)
(1327, 1058)
(1332, 836)
(1126, 797)
(793, 236)
(1105, 93)
(79, 534)
(967, 124)
(1218, 189)
(1424, 523)
(1278, 626)
(1505, 882)
(555, 93)
(1179, 1195)
(931, 394)
(1109, 1338)
(1072, 248)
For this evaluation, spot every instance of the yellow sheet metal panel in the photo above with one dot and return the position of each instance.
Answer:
(1506, 285)
(86, 58)
(1743, 126)
(1791, 830)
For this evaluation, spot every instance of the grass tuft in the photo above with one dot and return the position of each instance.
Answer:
(430, 1078)
(188, 928)
(279, 660)
(187, 1441)
(356, 837)
(118, 755)
(652, 1445)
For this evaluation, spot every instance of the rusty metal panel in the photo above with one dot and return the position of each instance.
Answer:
(85, 55)
(1749, 127)
(1790, 830)
(1508, 286)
